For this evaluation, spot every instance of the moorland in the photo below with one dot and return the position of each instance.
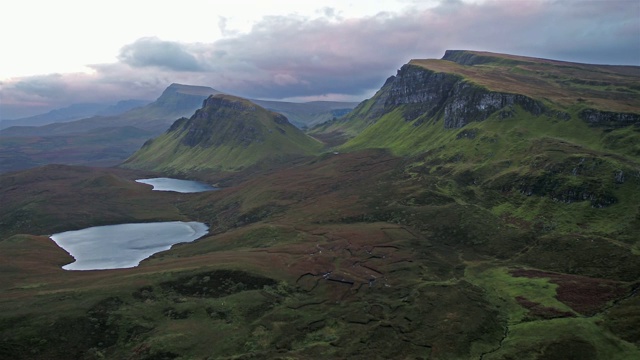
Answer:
(479, 206)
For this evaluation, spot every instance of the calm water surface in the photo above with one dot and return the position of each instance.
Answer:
(177, 185)
(125, 245)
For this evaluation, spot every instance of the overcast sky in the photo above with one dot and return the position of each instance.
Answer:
(59, 52)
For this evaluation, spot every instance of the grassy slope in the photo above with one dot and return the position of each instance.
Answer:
(104, 147)
(495, 164)
(168, 153)
(502, 152)
(563, 86)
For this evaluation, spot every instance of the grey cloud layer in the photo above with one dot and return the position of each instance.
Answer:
(289, 56)
(164, 54)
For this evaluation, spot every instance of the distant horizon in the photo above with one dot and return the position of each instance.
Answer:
(112, 103)
(283, 50)
(285, 100)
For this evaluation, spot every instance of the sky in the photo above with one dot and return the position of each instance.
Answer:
(63, 52)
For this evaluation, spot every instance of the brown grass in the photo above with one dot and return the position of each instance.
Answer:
(538, 311)
(585, 295)
(611, 88)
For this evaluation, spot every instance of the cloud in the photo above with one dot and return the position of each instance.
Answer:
(164, 54)
(336, 57)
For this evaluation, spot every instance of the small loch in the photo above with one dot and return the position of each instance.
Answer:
(177, 185)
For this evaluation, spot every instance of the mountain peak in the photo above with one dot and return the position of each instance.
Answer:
(227, 133)
(229, 101)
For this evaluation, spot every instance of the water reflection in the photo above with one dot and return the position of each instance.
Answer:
(177, 185)
(125, 245)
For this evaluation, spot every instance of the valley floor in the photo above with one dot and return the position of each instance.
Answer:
(362, 255)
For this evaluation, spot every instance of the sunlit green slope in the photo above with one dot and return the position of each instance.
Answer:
(534, 139)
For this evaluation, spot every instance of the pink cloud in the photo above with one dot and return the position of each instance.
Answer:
(296, 57)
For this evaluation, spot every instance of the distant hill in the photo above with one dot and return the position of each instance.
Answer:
(121, 107)
(27, 146)
(227, 133)
(308, 114)
(99, 140)
(100, 147)
(176, 101)
(74, 112)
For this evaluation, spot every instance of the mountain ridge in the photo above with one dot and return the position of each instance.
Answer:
(175, 101)
(74, 112)
(607, 87)
(179, 100)
(458, 94)
(23, 146)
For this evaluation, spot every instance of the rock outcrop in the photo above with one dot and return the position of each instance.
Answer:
(468, 102)
(609, 119)
(209, 121)
(461, 88)
(456, 100)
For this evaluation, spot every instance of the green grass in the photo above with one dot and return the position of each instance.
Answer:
(571, 338)
(392, 132)
(430, 300)
(502, 288)
(506, 152)
(234, 139)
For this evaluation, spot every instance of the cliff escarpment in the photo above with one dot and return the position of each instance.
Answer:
(609, 119)
(457, 101)
(466, 87)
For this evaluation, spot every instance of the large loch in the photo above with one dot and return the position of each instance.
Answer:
(124, 245)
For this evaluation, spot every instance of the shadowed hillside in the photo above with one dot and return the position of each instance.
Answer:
(176, 101)
(108, 140)
(74, 112)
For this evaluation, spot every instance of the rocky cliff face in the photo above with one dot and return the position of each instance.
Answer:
(450, 96)
(454, 92)
(609, 119)
(468, 102)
